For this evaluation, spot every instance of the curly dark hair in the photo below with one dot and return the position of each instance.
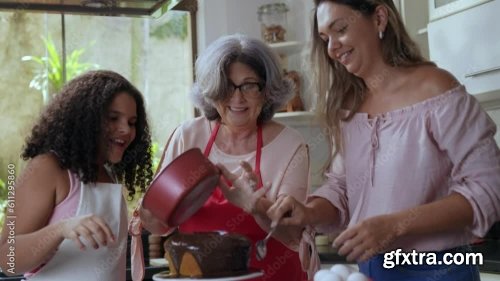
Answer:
(71, 126)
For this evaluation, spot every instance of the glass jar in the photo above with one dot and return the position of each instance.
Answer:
(272, 18)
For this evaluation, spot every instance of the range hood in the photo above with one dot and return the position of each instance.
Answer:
(146, 8)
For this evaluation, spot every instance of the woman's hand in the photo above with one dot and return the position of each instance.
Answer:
(91, 227)
(367, 238)
(243, 193)
(288, 211)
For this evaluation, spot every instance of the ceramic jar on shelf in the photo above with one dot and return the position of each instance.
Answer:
(272, 18)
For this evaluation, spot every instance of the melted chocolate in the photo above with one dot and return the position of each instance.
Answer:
(218, 254)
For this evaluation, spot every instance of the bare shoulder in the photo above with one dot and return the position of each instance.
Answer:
(37, 189)
(433, 81)
(44, 174)
(42, 166)
(47, 159)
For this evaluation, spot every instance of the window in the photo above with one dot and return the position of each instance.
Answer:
(156, 55)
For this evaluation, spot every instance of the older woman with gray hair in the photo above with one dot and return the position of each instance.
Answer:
(239, 86)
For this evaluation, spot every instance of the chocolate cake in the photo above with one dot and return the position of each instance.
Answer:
(207, 254)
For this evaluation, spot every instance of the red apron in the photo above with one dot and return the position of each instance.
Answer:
(281, 263)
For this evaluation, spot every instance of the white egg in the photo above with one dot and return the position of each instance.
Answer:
(341, 270)
(330, 276)
(356, 276)
(319, 275)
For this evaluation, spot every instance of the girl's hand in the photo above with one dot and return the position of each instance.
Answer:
(368, 238)
(91, 227)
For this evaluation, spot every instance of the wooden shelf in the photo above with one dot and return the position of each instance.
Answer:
(422, 31)
(295, 114)
(287, 48)
(296, 118)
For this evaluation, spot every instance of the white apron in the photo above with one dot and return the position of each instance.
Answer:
(104, 264)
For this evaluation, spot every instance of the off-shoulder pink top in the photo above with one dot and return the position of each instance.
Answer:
(417, 155)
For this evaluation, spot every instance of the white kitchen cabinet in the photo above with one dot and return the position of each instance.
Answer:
(287, 48)
(221, 17)
(443, 8)
(316, 137)
(468, 45)
(291, 55)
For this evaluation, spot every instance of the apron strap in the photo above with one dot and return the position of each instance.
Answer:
(136, 251)
(308, 254)
(258, 153)
(258, 156)
(211, 141)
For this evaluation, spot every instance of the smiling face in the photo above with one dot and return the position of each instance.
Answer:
(350, 37)
(241, 110)
(119, 128)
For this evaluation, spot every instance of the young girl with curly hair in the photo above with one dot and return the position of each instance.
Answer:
(70, 217)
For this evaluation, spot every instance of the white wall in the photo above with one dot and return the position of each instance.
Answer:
(222, 17)
(415, 15)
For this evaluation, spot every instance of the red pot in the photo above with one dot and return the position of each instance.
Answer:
(181, 188)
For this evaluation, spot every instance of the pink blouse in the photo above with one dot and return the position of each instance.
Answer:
(417, 155)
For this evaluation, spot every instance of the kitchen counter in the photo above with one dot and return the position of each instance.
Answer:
(3, 277)
(491, 255)
(489, 248)
(150, 271)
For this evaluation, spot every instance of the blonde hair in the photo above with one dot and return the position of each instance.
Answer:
(337, 88)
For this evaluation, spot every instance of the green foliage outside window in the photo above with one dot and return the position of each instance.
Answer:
(156, 157)
(49, 75)
(176, 27)
(3, 201)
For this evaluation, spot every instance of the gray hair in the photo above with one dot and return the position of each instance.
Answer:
(212, 81)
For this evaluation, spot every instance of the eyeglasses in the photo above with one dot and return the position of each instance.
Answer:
(249, 89)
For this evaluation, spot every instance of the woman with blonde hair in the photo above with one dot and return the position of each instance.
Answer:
(415, 165)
